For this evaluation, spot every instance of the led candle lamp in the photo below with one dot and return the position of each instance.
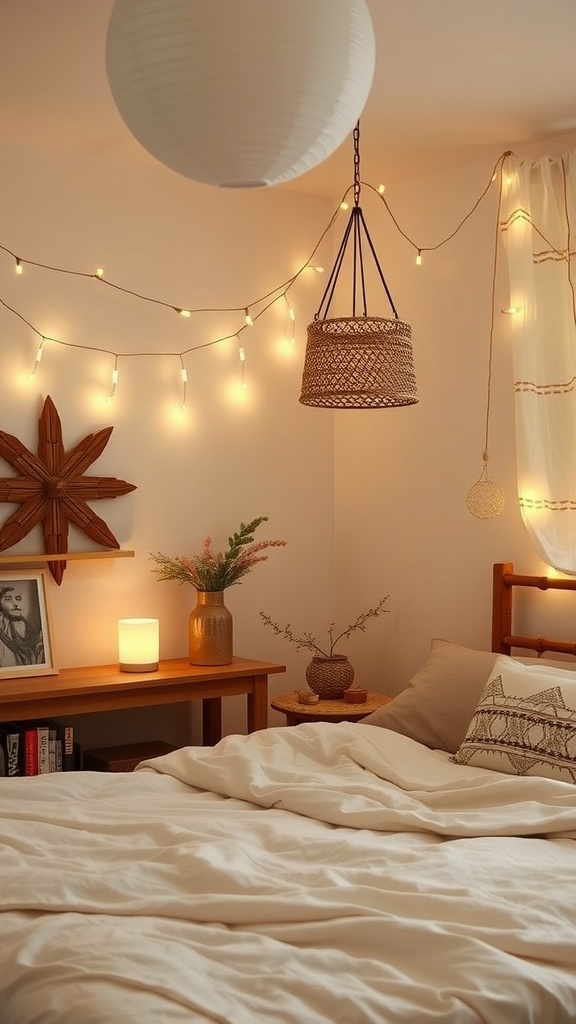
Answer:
(138, 645)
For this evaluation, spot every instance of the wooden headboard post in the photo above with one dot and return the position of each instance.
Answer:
(503, 640)
(501, 607)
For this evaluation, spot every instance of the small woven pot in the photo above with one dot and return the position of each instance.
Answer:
(329, 677)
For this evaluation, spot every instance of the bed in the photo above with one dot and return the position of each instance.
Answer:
(418, 866)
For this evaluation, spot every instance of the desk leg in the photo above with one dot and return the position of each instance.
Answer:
(257, 705)
(211, 721)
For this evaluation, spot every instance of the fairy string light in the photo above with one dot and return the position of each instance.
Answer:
(432, 248)
(250, 312)
(184, 379)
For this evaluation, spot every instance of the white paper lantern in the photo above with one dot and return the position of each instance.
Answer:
(240, 93)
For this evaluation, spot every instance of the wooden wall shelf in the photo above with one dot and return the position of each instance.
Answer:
(68, 556)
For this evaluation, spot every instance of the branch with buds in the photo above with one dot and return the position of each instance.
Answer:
(310, 642)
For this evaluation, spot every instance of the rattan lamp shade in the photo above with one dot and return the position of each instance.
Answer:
(240, 93)
(359, 363)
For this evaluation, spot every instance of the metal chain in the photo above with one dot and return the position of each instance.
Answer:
(356, 138)
(356, 230)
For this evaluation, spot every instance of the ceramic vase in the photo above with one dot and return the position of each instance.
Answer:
(210, 630)
(329, 677)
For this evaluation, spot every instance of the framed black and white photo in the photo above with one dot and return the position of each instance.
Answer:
(26, 647)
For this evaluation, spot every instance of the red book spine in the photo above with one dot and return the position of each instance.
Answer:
(31, 752)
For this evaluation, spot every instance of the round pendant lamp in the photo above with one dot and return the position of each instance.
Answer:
(240, 93)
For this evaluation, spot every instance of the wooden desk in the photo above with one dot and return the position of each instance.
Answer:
(78, 691)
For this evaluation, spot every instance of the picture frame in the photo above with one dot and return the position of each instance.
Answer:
(26, 639)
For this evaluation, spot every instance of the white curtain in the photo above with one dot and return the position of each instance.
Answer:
(538, 225)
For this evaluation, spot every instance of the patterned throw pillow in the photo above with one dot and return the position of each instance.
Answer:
(525, 723)
(436, 707)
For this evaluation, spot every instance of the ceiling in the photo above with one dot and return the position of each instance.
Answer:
(455, 81)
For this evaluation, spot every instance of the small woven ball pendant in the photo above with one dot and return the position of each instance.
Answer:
(485, 500)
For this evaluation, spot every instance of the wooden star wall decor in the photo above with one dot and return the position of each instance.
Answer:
(52, 488)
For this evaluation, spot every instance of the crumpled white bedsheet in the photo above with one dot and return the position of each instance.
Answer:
(313, 875)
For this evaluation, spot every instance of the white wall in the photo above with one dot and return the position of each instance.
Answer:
(384, 489)
(233, 456)
(402, 475)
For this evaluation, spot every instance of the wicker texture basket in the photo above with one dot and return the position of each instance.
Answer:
(359, 362)
(330, 677)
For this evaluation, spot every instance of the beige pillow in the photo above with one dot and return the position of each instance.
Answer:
(525, 723)
(437, 705)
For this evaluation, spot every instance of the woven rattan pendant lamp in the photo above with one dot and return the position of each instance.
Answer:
(358, 361)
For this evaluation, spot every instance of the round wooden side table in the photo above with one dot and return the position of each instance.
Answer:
(326, 710)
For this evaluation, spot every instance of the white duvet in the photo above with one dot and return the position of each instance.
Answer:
(310, 875)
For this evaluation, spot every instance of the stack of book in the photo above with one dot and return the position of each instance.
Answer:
(36, 747)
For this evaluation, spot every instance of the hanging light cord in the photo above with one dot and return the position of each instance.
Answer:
(566, 211)
(485, 455)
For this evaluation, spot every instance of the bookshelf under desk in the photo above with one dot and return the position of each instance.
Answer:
(77, 691)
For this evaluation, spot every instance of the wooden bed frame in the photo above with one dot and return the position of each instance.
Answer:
(504, 581)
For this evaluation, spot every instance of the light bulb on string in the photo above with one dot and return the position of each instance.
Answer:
(18, 269)
(184, 379)
(114, 379)
(39, 352)
(242, 358)
(248, 318)
(418, 260)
